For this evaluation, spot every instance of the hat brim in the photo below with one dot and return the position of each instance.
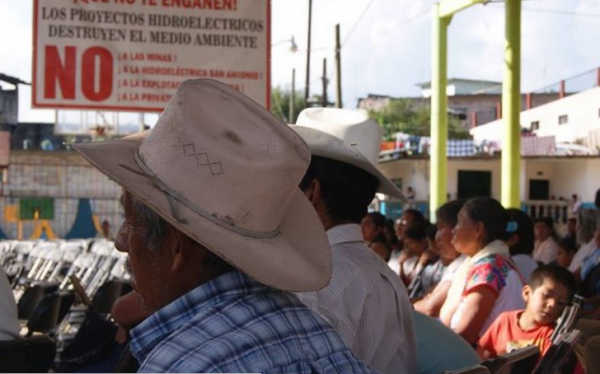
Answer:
(326, 145)
(297, 259)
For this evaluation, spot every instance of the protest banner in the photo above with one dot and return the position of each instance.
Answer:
(131, 55)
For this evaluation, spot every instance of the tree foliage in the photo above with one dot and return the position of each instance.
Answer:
(403, 116)
(280, 104)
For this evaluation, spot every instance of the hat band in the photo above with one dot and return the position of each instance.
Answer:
(175, 197)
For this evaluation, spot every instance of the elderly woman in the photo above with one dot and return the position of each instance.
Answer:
(586, 224)
(487, 283)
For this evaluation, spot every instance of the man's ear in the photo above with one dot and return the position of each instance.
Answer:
(179, 251)
(313, 192)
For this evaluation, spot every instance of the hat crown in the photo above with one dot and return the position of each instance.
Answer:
(226, 156)
(352, 127)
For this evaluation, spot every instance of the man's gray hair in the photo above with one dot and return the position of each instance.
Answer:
(154, 226)
(587, 222)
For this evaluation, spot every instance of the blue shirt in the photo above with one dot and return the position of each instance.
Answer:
(440, 349)
(235, 324)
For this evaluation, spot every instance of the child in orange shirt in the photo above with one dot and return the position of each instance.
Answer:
(549, 290)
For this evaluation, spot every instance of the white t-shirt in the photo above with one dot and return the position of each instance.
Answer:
(451, 269)
(546, 251)
(581, 254)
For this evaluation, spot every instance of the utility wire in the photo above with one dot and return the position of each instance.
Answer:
(357, 22)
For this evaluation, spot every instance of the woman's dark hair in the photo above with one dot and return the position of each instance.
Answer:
(389, 225)
(430, 232)
(417, 216)
(347, 190)
(548, 221)
(449, 211)
(416, 231)
(524, 232)
(491, 214)
(568, 244)
(378, 219)
(597, 200)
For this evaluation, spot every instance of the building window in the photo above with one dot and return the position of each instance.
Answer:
(563, 120)
(535, 125)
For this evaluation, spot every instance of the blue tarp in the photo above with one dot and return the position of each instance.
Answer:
(83, 227)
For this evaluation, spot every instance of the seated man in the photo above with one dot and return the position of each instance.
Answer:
(217, 233)
(365, 301)
(549, 290)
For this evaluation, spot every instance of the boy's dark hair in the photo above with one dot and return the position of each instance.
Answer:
(557, 274)
(524, 232)
(416, 231)
(491, 214)
(347, 190)
(449, 211)
(568, 244)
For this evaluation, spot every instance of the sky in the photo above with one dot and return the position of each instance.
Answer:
(386, 45)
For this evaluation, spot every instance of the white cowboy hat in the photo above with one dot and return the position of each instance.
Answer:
(347, 136)
(224, 171)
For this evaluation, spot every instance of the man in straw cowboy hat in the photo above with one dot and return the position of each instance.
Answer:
(217, 233)
(365, 301)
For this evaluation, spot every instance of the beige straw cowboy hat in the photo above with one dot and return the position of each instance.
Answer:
(224, 171)
(347, 136)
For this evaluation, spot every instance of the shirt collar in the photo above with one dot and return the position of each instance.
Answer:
(159, 325)
(346, 233)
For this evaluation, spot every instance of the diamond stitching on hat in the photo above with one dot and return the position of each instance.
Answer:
(202, 159)
(215, 167)
(189, 150)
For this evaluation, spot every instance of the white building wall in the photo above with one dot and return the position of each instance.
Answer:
(582, 111)
(567, 175)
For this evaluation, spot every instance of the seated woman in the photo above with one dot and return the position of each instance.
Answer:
(546, 247)
(521, 241)
(415, 245)
(430, 268)
(372, 230)
(409, 216)
(488, 282)
(446, 218)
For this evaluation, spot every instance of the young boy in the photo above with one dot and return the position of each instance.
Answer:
(550, 289)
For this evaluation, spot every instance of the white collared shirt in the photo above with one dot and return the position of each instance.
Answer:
(546, 251)
(367, 304)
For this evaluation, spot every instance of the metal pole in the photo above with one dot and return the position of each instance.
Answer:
(511, 108)
(307, 86)
(338, 66)
(439, 112)
(324, 100)
(292, 98)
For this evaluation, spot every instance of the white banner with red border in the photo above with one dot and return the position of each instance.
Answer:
(131, 55)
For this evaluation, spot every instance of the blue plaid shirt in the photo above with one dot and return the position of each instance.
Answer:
(235, 324)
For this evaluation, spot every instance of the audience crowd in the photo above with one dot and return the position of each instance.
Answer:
(268, 277)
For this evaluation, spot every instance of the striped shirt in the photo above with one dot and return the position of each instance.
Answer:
(367, 304)
(234, 324)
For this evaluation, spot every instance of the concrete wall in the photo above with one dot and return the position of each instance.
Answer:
(64, 176)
